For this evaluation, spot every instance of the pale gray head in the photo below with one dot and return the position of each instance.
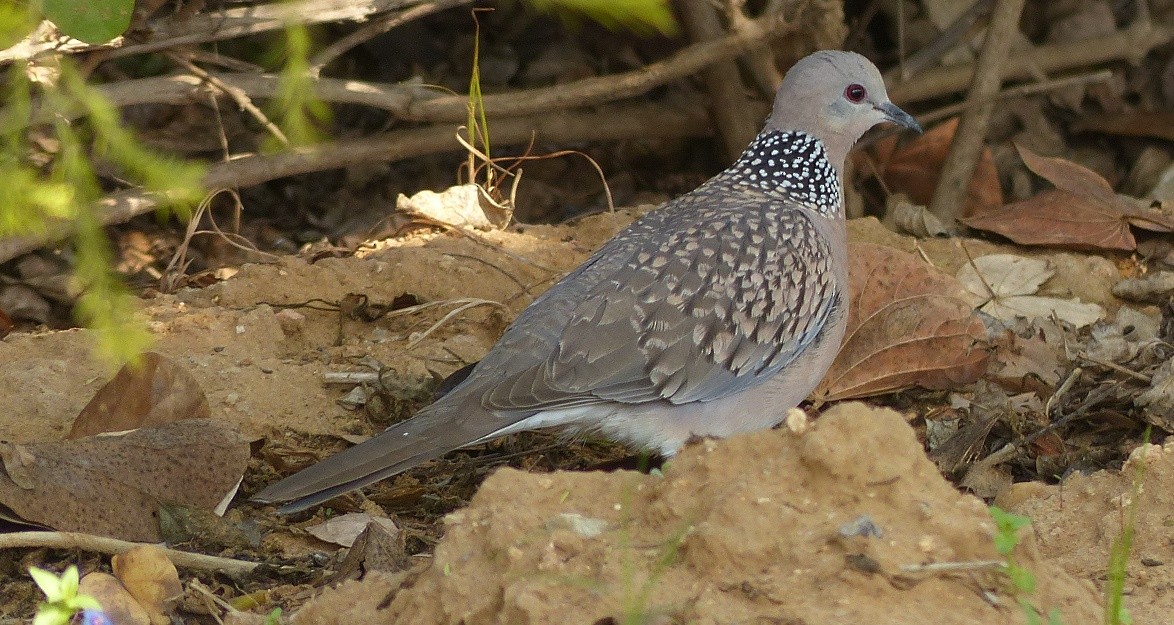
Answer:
(835, 96)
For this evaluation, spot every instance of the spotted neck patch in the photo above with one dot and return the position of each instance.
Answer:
(792, 164)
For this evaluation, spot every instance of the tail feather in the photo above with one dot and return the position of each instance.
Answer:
(397, 449)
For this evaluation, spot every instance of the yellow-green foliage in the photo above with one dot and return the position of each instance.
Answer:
(298, 111)
(32, 197)
(641, 16)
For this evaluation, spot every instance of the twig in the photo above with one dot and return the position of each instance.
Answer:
(466, 305)
(394, 98)
(238, 95)
(603, 124)
(759, 60)
(102, 544)
(950, 194)
(1131, 44)
(948, 38)
(1015, 92)
(172, 32)
(377, 27)
(609, 88)
(418, 103)
(1148, 379)
(949, 567)
(727, 95)
(1009, 450)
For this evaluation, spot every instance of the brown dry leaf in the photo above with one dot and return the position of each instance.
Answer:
(1058, 218)
(113, 485)
(914, 169)
(344, 529)
(908, 325)
(151, 579)
(1081, 212)
(156, 392)
(118, 604)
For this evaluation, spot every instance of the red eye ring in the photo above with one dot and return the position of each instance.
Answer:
(855, 93)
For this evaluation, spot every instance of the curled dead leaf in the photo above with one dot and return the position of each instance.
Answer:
(151, 579)
(908, 325)
(154, 391)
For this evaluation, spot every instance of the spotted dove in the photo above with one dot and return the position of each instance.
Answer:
(712, 315)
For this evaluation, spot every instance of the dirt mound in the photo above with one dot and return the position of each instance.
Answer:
(1079, 521)
(809, 527)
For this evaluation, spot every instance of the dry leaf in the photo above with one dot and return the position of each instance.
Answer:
(1157, 402)
(908, 325)
(906, 217)
(1058, 218)
(151, 579)
(113, 485)
(914, 169)
(1018, 360)
(1081, 212)
(1004, 286)
(344, 529)
(156, 392)
(462, 205)
(377, 548)
(116, 602)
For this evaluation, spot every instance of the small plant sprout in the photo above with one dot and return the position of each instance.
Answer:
(62, 600)
(1007, 526)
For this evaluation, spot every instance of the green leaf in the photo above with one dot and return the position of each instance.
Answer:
(640, 16)
(17, 19)
(1023, 579)
(69, 583)
(93, 21)
(1007, 529)
(49, 583)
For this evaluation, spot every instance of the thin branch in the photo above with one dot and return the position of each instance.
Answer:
(375, 28)
(420, 103)
(723, 82)
(102, 544)
(604, 124)
(612, 87)
(950, 194)
(1131, 44)
(1015, 92)
(172, 32)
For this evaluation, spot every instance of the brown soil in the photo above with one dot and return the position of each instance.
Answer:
(749, 530)
(741, 531)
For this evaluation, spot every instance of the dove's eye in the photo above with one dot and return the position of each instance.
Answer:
(855, 93)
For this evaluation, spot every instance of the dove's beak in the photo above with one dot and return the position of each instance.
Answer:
(894, 114)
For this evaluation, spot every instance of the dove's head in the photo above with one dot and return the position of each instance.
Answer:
(835, 96)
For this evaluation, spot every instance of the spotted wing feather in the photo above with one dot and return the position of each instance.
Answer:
(719, 306)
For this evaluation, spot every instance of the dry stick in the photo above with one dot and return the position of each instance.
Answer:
(182, 89)
(409, 101)
(605, 124)
(1131, 44)
(239, 96)
(1014, 92)
(947, 39)
(102, 544)
(214, 25)
(608, 88)
(759, 61)
(958, 169)
(375, 28)
(727, 95)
